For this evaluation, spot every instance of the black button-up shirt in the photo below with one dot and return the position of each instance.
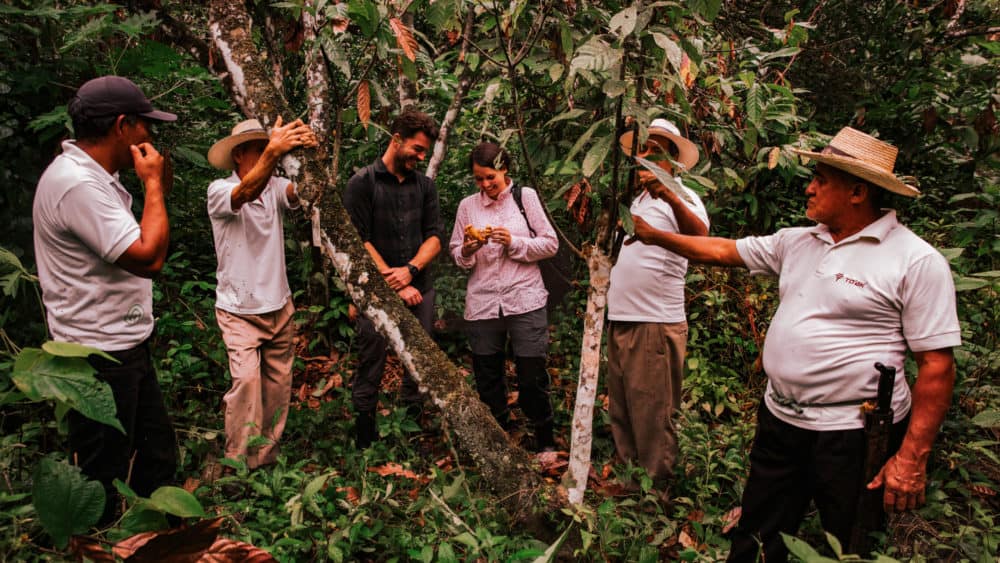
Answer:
(395, 217)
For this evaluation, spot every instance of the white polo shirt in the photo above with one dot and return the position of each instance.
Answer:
(647, 281)
(83, 223)
(250, 247)
(843, 307)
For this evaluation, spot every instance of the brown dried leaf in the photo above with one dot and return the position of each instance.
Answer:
(686, 540)
(352, 494)
(731, 519)
(225, 550)
(686, 77)
(364, 103)
(190, 484)
(176, 545)
(339, 25)
(982, 490)
(404, 38)
(397, 469)
(83, 547)
(772, 158)
(571, 195)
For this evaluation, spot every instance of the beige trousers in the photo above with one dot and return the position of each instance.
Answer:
(260, 363)
(645, 369)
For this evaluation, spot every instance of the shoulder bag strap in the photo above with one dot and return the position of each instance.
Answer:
(515, 192)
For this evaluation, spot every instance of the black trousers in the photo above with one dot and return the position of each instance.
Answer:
(103, 453)
(791, 466)
(371, 359)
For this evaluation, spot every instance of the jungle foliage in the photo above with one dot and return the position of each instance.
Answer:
(553, 81)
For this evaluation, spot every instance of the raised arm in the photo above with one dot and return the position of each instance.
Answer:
(283, 139)
(714, 251)
(145, 256)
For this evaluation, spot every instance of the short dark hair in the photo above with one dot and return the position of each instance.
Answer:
(490, 155)
(412, 121)
(95, 128)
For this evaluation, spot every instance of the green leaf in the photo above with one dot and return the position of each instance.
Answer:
(581, 141)
(176, 501)
(754, 106)
(190, 155)
(965, 283)
(803, 550)
(665, 178)
(42, 376)
(624, 21)
(613, 87)
(571, 114)
(707, 8)
(143, 517)
(74, 350)
(596, 155)
(672, 50)
(625, 216)
(595, 55)
(550, 553)
(66, 502)
(989, 418)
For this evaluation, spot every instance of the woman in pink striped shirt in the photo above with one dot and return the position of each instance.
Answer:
(505, 297)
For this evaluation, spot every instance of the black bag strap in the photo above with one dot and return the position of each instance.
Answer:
(515, 192)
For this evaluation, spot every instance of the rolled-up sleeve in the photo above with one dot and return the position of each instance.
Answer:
(220, 199)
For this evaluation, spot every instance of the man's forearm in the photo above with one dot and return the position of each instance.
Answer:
(714, 251)
(427, 252)
(251, 185)
(931, 399)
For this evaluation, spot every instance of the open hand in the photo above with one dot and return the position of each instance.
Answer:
(642, 232)
(905, 483)
(410, 295)
(397, 278)
(287, 137)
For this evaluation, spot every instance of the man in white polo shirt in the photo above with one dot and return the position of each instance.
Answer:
(856, 289)
(647, 335)
(253, 301)
(94, 264)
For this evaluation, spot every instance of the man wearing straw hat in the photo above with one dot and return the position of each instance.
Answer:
(855, 289)
(253, 301)
(647, 334)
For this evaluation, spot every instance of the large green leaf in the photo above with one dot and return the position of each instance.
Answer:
(74, 350)
(176, 501)
(665, 178)
(70, 381)
(66, 502)
(989, 418)
(596, 155)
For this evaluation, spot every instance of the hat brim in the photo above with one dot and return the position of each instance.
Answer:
(221, 153)
(159, 115)
(863, 170)
(687, 151)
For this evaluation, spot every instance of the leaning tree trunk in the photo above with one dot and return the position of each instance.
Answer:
(504, 466)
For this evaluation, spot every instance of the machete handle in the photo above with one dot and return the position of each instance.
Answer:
(886, 382)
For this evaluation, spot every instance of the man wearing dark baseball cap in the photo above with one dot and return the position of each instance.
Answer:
(94, 264)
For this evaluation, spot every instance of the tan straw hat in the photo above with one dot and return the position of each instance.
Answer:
(863, 156)
(221, 153)
(661, 130)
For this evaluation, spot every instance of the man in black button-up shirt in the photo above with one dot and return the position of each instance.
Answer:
(395, 209)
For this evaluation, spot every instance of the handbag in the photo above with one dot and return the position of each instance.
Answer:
(556, 270)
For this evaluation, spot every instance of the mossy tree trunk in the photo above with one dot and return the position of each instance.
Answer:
(503, 465)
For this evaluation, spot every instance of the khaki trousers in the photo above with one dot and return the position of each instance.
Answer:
(645, 369)
(260, 363)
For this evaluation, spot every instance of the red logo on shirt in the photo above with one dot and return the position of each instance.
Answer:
(852, 281)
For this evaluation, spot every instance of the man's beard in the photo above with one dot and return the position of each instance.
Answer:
(404, 163)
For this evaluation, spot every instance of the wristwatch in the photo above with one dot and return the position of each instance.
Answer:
(413, 270)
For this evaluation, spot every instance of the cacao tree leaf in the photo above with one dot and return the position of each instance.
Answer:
(404, 38)
(73, 350)
(69, 381)
(177, 501)
(624, 21)
(66, 502)
(364, 103)
(596, 155)
(672, 49)
(989, 418)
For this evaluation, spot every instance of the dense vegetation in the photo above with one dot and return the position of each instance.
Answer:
(549, 79)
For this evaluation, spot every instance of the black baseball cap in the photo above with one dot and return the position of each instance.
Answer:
(114, 95)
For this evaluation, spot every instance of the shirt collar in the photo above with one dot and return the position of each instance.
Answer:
(73, 152)
(381, 168)
(488, 201)
(877, 230)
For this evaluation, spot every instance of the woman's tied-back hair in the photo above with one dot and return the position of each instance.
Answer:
(411, 121)
(490, 155)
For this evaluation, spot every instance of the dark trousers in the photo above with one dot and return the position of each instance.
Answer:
(791, 466)
(104, 453)
(529, 335)
(371, 359)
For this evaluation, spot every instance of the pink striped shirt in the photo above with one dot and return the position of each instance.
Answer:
(504, 279)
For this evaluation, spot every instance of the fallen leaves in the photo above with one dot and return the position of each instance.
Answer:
(398, 470)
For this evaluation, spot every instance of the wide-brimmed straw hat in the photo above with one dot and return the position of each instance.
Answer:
(661, 130)
(864, 156)
(221, 153)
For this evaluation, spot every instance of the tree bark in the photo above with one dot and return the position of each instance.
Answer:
(504, 466)
(575, 479)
